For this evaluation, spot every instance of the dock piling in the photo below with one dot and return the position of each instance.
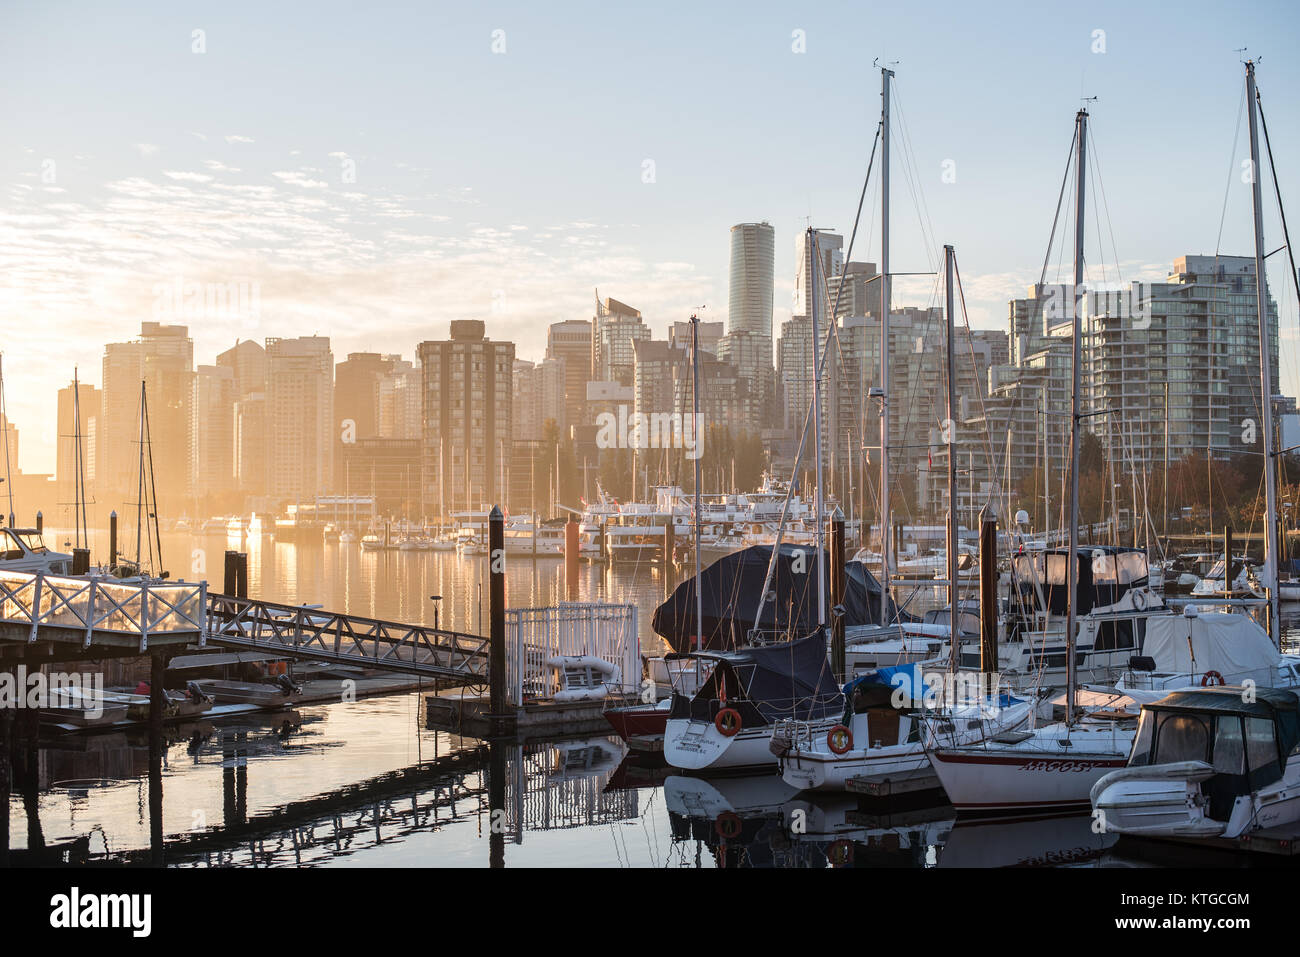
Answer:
(988, 590)
(497, 619)
(112, 539)
(230, 585)
(571, 549)
(837, 590)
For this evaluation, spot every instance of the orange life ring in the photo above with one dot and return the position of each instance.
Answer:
(728, 825)
(840, 853)
(1205, 679)
(727, 721)
(839, 739)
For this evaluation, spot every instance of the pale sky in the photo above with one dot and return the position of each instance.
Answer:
(377, 170)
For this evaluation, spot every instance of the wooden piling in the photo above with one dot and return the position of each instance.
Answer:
(40, 523)
(241, 574)
(157, 700)
(572, 546)
(497, 678)
(230, 583)
(112, 539)
(838, 589)
(988, 590)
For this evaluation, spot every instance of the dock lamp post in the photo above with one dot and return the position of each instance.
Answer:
(437, 602)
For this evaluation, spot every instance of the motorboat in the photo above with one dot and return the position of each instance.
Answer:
(1207, 763)
(24, 550)
(728, 722)
(278, 694)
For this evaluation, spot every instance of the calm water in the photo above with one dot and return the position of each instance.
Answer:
(369, 783)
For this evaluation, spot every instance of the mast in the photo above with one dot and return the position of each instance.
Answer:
(951, 438)
(814, 308)
(695, 429)
(79, 477)
(139, 487)
(1165, 482)
(1072, 584)
(1265, 372)
(4, 414)
(886, 75)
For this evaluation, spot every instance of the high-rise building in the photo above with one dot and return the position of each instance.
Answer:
(300, 418)
(467, 416)
(570, 342)
(679, 335)
(212, 431)
(749, 287)
(614, 329)
(538, 397)
(247, 359)
(828, 247)
(400, 401)
(252, 461)
(163, 360)
(90, 400)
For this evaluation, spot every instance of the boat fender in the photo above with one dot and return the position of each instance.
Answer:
(839, 739)
(1211, 678)
(727, 721)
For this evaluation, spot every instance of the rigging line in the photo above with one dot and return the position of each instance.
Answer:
(909, 157)
(817, 374)
(1232, 165)
(1110, 225)
(1277, 191)
(970, 344)
(4, 414)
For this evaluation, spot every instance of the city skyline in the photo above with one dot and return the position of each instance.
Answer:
(359, 225)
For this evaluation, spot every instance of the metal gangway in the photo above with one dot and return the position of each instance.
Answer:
(300, 632)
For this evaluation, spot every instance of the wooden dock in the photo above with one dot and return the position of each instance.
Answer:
(469, 714)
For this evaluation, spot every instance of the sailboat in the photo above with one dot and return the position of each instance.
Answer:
(1218, 762)
(888, 723)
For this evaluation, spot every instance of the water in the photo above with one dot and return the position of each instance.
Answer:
(369, 783)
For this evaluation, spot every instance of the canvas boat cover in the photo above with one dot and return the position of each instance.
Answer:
(1233, 645)
(733, 585)
(788, 680)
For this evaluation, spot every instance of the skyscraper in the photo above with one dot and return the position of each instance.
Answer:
(212, 431)
(749, 300)
(570, 343)
(163, 359)
(467, 416)
(66, 450)
(300, 417)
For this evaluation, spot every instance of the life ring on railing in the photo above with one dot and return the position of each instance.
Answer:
(728, 825)
(1206, 678)
(1140, 599)
(839, 739)
(727, 721)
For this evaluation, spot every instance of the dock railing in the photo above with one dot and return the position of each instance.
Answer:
(534, 635)
(65, 606)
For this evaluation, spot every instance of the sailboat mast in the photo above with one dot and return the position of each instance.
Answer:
(695, 430)
(950, 437)
(139, 488)
(886, 75)
(819, 513)
(1265, 372)
(1072, 585)
(4, 414)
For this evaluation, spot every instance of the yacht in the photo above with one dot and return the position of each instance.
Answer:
(24, 550)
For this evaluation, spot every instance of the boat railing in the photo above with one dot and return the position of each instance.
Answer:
(536, 635)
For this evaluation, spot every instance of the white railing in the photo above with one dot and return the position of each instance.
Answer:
(534, 635)
(102, 605)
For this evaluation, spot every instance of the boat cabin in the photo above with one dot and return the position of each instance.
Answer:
(24, 550)
(1105, 574)
(1247, 743)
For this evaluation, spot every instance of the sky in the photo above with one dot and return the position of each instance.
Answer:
(369, 172)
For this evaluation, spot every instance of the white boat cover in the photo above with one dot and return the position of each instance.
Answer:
(1233, 645)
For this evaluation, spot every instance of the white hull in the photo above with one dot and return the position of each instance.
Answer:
(1034, 775)
(697, 745)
